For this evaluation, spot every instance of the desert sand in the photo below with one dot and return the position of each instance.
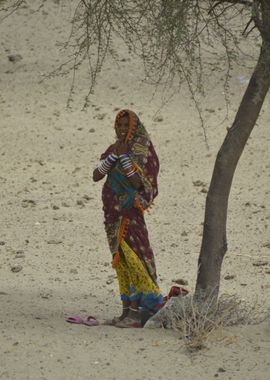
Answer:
(54, 258)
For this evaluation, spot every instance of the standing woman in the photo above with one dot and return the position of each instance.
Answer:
(131, 166)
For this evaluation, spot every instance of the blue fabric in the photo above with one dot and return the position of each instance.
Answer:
(122, 189)
(147, 301)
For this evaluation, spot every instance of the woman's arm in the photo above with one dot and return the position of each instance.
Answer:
(104, 166)
(125, 161)
(135, 181)
(97, 176)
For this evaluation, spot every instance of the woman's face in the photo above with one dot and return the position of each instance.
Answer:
(122, 128)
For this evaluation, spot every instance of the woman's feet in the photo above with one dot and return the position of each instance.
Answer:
(128, 323)
(112, 322)
(130, 317)
(132, 320)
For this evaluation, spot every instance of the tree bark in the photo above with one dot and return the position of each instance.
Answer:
(214, 242)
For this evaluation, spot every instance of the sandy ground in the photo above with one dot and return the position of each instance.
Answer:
(54, 259)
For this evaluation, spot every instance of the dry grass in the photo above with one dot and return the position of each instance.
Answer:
(197, 321)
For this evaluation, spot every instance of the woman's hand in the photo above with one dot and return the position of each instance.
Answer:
(120, 148)
(113, 147)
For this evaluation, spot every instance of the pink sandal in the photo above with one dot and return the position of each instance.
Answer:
(75, 319)
(89, 321)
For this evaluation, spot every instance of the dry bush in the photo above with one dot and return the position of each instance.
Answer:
(197, 320)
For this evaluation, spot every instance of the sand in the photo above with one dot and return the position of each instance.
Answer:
(54, 259)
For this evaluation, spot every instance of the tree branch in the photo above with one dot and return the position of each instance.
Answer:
(233, 2)
(10, 8)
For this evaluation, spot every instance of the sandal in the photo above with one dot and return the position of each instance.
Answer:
(74, 319)
(89, 321)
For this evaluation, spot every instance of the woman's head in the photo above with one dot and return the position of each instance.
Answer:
(122, 126)
(125, 125)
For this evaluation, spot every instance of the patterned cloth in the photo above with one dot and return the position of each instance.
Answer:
(124, 220)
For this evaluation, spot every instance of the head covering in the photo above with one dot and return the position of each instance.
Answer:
(137, 139)
(133, 122)
(145, 162)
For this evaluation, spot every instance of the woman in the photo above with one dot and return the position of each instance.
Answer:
(131, 166)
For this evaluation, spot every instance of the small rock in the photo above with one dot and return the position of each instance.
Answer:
(199, 183)
(2, 242)
(92, 130)
(100, 116)
(158, 119)
(15, 58)
(19, 255)
(204, 190)
(221, 369)
(267, 271)
(54, 241)
(266, 245)
(111, 278)
(87, 198)
(54, 207)
(28, 202)
(73, 271)
(180, 281)
(65, 204)
(16, 268)
(229, 277)
(260, 263)
(80, 203)
(184, 233)
(45, 295)
(77, 169)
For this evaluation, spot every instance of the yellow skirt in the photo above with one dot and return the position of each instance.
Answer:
(135, 284)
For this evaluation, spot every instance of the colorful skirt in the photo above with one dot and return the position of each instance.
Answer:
(135, 267)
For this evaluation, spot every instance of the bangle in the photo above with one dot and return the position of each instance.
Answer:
(126, 164)
(106, 164)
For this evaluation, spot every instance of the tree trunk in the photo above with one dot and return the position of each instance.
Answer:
(214, 242)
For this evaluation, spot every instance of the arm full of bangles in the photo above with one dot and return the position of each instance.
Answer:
(104, 167)
(121, 149)
(129, 171)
